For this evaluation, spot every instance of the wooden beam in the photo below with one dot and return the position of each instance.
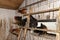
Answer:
(33, 3)
(42, 11)
(42, 29)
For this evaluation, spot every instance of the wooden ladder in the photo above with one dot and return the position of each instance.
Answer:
(24, 34)
(18, 31)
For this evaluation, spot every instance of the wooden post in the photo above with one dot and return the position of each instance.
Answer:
(58, 26)
(25, 32)
(19, 33)
(26, 27)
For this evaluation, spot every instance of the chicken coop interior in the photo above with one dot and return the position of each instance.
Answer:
(29, 19)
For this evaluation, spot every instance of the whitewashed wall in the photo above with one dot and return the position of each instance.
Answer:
(6, 15)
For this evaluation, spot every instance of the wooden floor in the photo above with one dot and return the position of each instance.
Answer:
(33, 36)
